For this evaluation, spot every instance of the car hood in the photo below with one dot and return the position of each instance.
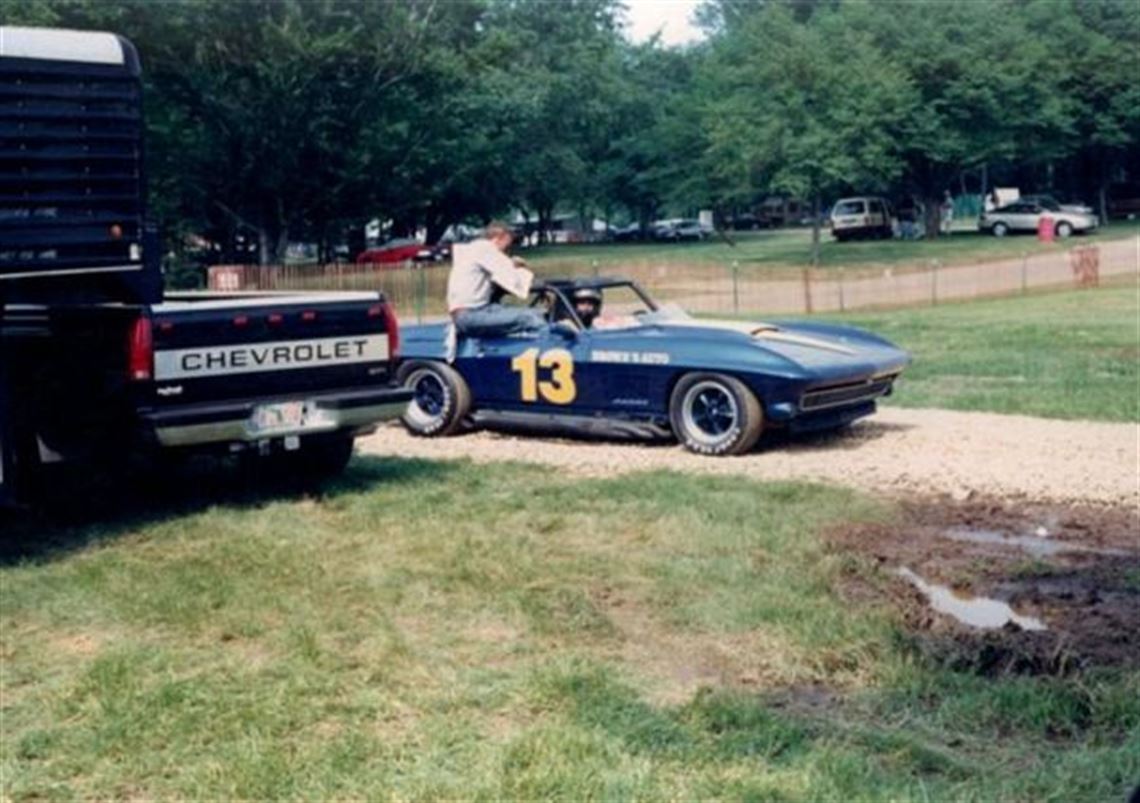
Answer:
(810, 345)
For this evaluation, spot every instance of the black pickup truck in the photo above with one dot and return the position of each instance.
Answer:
(95, 361)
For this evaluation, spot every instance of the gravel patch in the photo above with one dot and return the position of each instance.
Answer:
(897, 451)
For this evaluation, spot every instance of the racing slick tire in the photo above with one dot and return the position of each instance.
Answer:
(441, 401)
(714, 414)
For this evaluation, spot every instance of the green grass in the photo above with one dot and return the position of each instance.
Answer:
(437, 631)
(1073, 355)
(792, 248)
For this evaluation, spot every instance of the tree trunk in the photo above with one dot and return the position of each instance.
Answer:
(545, 215)
(1102, 202)
(815, 205)
(436, 226)
(933, 216)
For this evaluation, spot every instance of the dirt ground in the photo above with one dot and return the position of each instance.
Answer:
(898, 452)
(1074, 570)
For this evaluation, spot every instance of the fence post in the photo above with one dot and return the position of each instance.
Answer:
(934, 282)
(594, 265)
(1024, 273)
(842, 301)
(807, 290)
(735, 287)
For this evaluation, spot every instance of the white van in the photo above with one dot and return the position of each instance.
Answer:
(865, 217)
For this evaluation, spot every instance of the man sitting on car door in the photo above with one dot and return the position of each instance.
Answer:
(477, 269)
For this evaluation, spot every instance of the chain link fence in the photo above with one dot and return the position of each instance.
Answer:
(419, 292)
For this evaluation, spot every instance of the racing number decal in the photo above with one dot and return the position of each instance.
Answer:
(559, 389)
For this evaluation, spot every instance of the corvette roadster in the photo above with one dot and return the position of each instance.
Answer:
(636, 367)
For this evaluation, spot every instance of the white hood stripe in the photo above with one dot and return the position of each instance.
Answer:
(766, 331)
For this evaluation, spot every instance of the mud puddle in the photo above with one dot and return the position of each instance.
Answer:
(1040, 544)
(982, 613)
(994, 588)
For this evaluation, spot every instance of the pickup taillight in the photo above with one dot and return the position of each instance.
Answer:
(393, 327)
(140, 350)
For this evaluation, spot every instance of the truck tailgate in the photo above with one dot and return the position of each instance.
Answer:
(212, 347)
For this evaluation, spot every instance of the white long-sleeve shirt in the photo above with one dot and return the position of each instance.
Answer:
(477, 266)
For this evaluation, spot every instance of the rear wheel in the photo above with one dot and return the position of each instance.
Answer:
(1000, 229)
(714, 414)
(441, 398)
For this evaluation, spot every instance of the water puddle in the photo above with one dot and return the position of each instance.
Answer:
(1039, 545)
(979, 612)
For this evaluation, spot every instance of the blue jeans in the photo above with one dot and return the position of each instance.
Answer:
(491, 320)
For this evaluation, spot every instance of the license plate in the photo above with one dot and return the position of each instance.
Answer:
(279, 417)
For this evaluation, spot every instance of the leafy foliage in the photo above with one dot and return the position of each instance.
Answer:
(272, 121)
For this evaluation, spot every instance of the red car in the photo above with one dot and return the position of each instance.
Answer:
(392, 252)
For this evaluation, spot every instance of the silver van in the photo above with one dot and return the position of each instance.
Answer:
(867, 217)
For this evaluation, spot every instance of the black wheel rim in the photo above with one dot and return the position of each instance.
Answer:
(710, 412)
(713, 412)
(430, 395)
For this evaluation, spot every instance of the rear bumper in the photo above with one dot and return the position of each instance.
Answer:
(355, 411)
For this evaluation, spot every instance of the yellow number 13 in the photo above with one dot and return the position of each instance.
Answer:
(559, 389)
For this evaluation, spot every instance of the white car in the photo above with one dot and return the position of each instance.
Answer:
(680, 229)
(868, 217)
(1023, 215)
(1050, 202)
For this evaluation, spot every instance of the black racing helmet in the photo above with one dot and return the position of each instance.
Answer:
(587, 303)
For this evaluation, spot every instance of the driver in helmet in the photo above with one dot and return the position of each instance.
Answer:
(587, 303)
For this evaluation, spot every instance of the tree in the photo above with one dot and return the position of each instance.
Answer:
(983, 90)
(804, 109)
(1094, 64)
(554, 72)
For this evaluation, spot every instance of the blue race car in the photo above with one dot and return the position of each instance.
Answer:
(613, 362)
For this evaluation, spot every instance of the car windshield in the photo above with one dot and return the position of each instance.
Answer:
(849, 208)
(622, 307)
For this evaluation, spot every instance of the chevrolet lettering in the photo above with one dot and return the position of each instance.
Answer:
(279, 356)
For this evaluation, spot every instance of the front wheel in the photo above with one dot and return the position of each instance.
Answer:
(1064, 229)
(714, 414)
(441, 398)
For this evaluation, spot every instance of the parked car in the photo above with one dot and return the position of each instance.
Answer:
(1049, 202)
(628, 234)
(866, 217)
(643, 370)
(440, 252)
(681, 229)
(777, 211)
(1022, 215)
(745, 222)
(392, 252)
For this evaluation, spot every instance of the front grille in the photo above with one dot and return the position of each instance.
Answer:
(850, 393)
(71, 188)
